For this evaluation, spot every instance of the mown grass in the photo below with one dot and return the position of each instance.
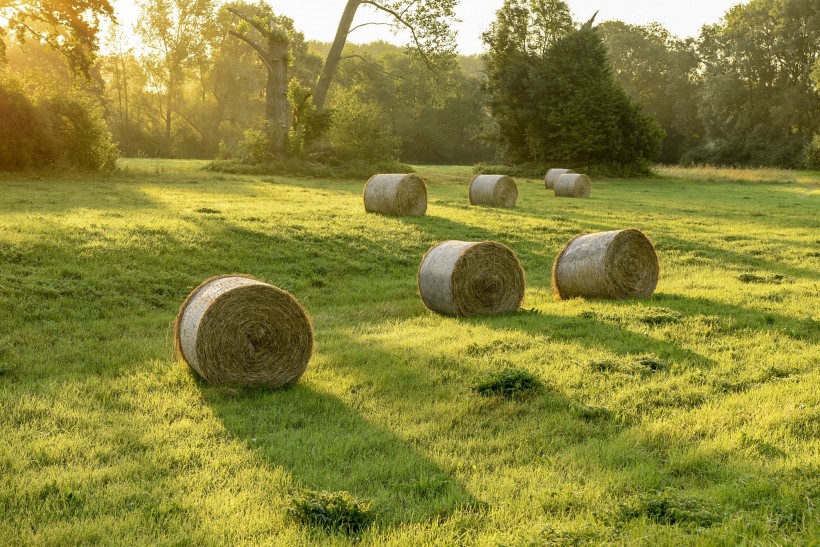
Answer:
(690, 417)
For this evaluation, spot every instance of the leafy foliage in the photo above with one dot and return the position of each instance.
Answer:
(360, 129)
(659, 71)
(47, 126)
(758, 102)
(553, 97)
(331, 511)
(811, 154)
(173, 35)
(436, 115)
(68, 26)
(428, 21)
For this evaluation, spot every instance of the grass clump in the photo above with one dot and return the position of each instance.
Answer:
(659, 316)
(673, 508)
(775, 279)
(331, 512)
(651, 363)
(589, 413)
(507, 383)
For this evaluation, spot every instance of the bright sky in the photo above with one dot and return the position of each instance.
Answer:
(318, 19)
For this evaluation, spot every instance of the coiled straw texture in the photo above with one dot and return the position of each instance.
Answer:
(396, 195)
(617, 264)
(238, 330)
(494, 190)
(552, 174)
(572, 185)
(470, 278)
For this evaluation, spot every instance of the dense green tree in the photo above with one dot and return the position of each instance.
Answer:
(69, 26)
(759, 104)
(559, 102)
(515, 41)
(660, 72)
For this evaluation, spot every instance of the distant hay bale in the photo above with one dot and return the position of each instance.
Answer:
(572, 185)
(469, 278)
(396, 195)
(495, 190)
(552, 174)
(238, 330)
(617, 264)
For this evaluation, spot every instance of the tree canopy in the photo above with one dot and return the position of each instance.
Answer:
(552, 95)
(69, 26)
(758, 102)
(428, 22)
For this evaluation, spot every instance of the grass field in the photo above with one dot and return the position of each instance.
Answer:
(690, 417)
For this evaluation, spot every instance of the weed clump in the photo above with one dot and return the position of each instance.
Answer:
(331, 512)
(774, 279)
(651, 363)
(507, 383)
(659, 316)
(671, 508)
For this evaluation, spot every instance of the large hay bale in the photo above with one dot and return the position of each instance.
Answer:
(471, 278)
(572, 185)
(552, 174)
(396, 195)
(238, 330)
(495, 190)
(617, 264)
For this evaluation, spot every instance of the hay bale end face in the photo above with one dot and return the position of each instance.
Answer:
(471, 278)
(552, 174)
(396, 195)
(494, 190)
(617, 264)
(238, 330)
(572, 185)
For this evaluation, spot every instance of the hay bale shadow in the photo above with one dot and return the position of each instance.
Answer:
(328, 447)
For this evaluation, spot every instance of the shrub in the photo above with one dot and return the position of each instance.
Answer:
(43, 126)
(254, 147)
(811, 154)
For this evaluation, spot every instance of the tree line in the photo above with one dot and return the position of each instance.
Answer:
(237, 81)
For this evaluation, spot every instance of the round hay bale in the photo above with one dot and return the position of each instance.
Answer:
(552, 174)
(572, 185)
(617, 264)
(396, 195)
(470, 278)
(495, 190)
(238, 330)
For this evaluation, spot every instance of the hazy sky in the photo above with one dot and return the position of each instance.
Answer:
(318, 19)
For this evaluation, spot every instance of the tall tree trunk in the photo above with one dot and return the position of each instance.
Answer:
(274, 55)
(335, 54)
(168, 123)
(277, 108)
